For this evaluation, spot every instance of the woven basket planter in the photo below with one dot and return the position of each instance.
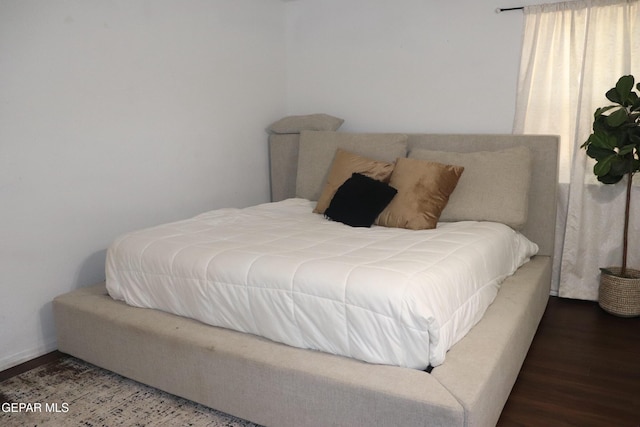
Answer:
(620, 296)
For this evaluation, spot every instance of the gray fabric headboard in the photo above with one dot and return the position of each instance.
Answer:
(541, 217)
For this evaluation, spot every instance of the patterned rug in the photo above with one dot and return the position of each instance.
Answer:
(69, 392)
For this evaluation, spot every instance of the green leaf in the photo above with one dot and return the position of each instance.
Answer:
(600, 111)
(600, 124)
(603, 166)
(617, 118)
(620, 166)
(615, 141)
(599, 153)
(624, 87)
(626, 149)
(613, 96)
(601, 139)
(634, 100)
(610, 179)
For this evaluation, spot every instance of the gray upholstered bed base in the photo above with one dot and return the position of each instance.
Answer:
(277, 385)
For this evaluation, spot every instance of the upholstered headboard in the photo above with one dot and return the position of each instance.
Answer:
(301, 158)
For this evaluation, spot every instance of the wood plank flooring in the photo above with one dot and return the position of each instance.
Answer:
(583, 369)
(31, 364)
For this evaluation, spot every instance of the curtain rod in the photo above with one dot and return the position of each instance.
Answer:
(507, 9)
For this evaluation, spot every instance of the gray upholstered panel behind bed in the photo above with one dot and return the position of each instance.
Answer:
(540, 226)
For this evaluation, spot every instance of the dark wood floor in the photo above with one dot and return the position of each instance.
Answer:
(583, 369)
(26, 366)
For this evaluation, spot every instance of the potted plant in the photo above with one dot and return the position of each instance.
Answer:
(615, 146)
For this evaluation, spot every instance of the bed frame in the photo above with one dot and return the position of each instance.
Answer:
(276, 385)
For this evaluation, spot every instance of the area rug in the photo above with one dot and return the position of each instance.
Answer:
(70, 392)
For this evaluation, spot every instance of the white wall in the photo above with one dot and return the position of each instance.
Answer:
(405, 65)
(116, 115)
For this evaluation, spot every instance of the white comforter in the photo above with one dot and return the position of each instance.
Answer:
(383, 295)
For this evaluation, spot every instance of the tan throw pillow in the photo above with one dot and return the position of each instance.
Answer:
(423, 191)
(346, 164)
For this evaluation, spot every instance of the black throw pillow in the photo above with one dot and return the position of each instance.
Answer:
(359, 201)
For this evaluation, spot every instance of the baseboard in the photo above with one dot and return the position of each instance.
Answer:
(26, 355)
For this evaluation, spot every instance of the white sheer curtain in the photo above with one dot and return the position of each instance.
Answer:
(572, 53)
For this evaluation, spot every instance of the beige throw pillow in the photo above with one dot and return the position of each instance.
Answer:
(296, 124)
(344, 165)
(423, 191)
(494, 187)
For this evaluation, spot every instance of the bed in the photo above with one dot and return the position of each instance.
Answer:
(254, 372)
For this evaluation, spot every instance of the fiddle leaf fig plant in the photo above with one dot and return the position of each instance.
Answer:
(615, 144)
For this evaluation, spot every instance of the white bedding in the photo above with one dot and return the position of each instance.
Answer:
(383, 295)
